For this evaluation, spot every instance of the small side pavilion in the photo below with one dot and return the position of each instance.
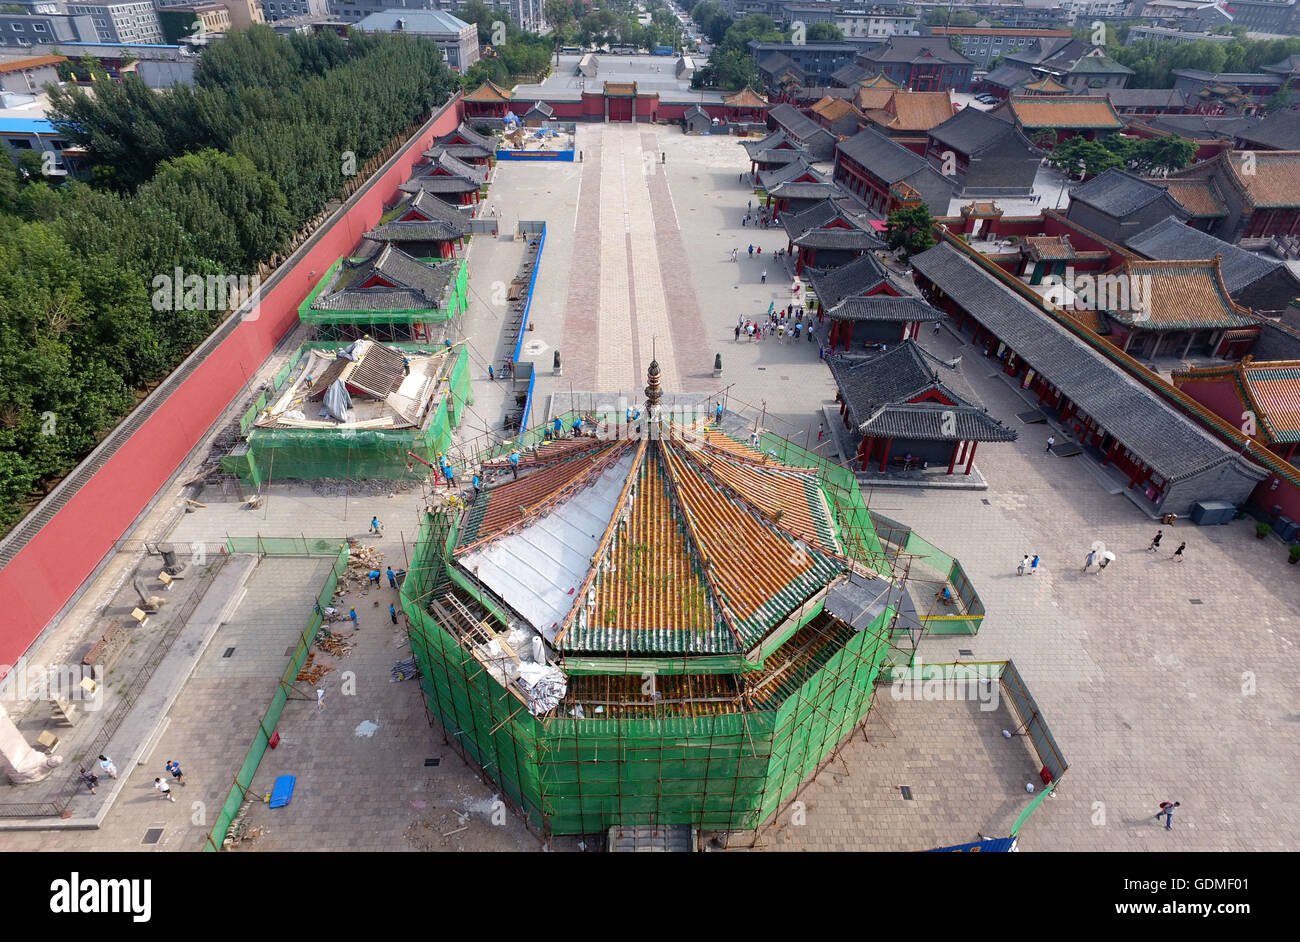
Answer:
(907, 413)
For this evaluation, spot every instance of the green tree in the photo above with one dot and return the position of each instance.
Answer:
(1280, 100)
(236, 212)
(824, 33)
(1084, 157)
(911, 230)
(1162, 154)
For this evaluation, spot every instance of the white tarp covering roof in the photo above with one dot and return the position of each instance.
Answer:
(537, 570)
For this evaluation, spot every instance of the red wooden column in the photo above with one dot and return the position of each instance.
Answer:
(970, 459)
(952, 462)
(884, 456)
(864, 451)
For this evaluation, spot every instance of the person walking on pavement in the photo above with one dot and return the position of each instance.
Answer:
(491, 373)
(751, 250)
(1155, 541)
(821, 430)
(352, 613)
(1024, 564)
(936, 328)
(107, 765)
(392, 613)
(91, 780)
(1102, 563)
(375, 525)
(737, 333)
(1178, 553)
(164, 789)
(1167, 811)
(764, 276)
(1089, 560)
(1051, 440)
(1033, 565)
(174, 768)
(392, 578)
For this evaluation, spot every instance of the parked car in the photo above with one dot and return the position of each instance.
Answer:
(987, 99)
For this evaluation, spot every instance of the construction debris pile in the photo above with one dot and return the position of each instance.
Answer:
(312, 672)
(362, 560)
(520, 659)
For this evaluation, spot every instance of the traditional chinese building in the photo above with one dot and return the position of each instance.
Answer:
(903, 407)
(886, 175)
(827, 235)
(986, 156)
(1122, 415)
(423, 226)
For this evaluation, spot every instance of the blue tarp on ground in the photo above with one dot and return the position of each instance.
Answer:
(992, 845)
(283, 791)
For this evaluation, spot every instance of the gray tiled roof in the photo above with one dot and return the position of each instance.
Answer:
(469, 135)
(1008, 76)
(413, 231)
(803, 191)
(1161, 436)
(770, 179)
(439, 184)
(462, 152)
(1138, 97)
(876, 391)
(458, 168)
(883, 307)
(858, 276)
(934, 421)
(808, 229)
(838, 238)
(915, 49)
(1117, 193)
(773, 141)
(1278, 131)
(849, 74)
(800, 127)
(887, 159)
(413, 284)
(1202, 127)
(1171, 239)
(970, 131)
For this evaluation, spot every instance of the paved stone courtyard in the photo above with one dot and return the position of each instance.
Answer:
(1159, 680)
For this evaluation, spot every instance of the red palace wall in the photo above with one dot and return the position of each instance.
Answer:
(64, 553)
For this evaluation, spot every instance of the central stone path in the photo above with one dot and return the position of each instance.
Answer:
(630, 294)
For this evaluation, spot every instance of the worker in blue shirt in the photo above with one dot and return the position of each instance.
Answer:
(514, 463)
(558, 426)
(476, 481)
(717, 411)
(577, 427)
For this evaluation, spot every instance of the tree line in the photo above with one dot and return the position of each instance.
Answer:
(1153, 62)
(211, 179)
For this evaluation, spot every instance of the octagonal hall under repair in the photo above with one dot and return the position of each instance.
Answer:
(664, 625)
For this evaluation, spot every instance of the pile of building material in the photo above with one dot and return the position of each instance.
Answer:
(312, 672)
(336, 646)
(362, 560)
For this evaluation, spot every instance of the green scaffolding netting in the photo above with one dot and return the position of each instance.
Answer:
(310, 454)
(582, 775)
